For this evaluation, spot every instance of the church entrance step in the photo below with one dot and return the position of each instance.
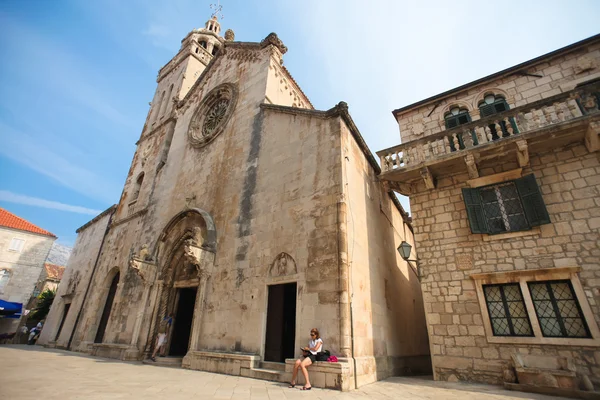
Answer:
(272, 366)
(266, 374)
(173, 362)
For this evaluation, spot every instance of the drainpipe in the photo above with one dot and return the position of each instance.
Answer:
(346, 314)
(87, 289)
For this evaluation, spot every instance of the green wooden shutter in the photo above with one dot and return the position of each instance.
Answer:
(451, 122)
(533, 203)
(487, 110)
(475, 210)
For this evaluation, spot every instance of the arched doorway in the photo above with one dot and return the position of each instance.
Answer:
(107, 307)
(185, 250)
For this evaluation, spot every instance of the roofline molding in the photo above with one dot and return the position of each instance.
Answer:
(505, 72)
(109, 210)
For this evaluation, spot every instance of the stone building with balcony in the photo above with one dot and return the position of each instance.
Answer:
(252, 217)
(503, 176)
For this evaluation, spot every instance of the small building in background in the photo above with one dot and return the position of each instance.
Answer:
(24, 248)
(50, 277)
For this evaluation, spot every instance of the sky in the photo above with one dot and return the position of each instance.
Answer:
(76, 76)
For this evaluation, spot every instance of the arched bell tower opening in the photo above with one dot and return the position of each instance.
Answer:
(185, 253)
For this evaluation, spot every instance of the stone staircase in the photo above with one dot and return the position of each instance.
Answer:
(171, 362)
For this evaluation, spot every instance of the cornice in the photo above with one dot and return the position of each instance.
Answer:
(130, 217)
(109, 210)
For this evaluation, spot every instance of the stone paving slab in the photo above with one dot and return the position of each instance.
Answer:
(32, 372)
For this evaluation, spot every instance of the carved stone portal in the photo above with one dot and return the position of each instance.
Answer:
(283, 265)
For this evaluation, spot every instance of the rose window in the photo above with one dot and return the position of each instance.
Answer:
(212, 114)
(215, 116)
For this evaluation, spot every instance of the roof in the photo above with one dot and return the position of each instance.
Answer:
(509, 71)
(10, 220)
(54, 271)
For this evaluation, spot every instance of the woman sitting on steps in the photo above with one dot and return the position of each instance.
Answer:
(315, 344)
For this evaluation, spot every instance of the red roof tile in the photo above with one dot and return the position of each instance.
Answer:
(10, 220)
(54, 271)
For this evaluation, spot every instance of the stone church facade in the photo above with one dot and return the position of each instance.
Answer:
(252, 217)
(503, 176)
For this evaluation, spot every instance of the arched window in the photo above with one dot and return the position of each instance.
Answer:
(492, 104)
(203, 43)
(453, 118)
(215, 50)
(4, 278)
(457, 116)
(495, 104)
(138, 186)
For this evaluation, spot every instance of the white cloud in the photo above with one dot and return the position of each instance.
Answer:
(34, 154)
(36, 202)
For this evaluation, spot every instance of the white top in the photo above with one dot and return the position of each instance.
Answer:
(313, 343)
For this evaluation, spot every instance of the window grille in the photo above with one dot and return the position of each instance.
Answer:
(507, 207)
(506, 308)
(557, 309)
(502, 208)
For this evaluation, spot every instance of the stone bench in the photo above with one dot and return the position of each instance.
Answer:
(545, 371)
(324, 374)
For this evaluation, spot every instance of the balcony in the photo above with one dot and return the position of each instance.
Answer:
(505, 137)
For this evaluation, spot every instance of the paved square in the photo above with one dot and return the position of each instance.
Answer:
(32, 372)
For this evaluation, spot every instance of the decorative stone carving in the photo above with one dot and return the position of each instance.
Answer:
(283, 265)
(140, 263)
(212, 114)
(229, 35)
(191, 252)
(584, 64)
(273, 39)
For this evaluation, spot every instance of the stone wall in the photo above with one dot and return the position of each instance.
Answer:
(569, 181)
(25, 268)
(557, 74)
(390, 335)
(75, 280)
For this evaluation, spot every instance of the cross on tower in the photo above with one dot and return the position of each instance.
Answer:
(217, 10)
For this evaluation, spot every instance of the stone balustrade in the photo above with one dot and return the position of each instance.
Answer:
(518, 121)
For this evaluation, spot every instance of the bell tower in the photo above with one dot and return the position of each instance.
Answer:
(177, 77)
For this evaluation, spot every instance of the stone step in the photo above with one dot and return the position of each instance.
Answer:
(173, 362)
(266, 374)
(272, 366)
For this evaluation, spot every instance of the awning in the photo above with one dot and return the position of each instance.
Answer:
(10, 310)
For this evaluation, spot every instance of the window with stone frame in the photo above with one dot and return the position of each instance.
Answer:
(507, 311)
(506, 207)
(558, 311)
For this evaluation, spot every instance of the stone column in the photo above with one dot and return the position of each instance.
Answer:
(147, 272)
(150, 340)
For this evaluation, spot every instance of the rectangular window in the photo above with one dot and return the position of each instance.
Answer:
(16, 245)
(557, 309)
(502, 208)
(507, 311)
(506, 207)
